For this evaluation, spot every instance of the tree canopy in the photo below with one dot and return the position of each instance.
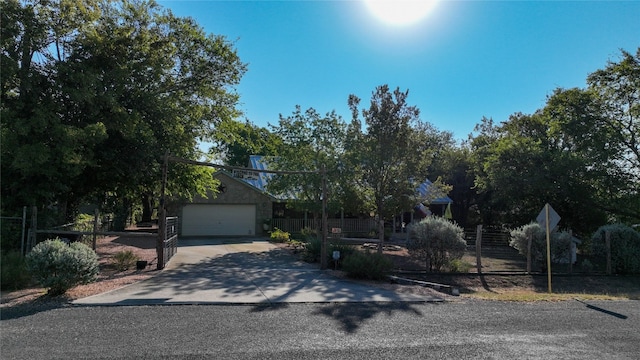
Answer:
(579, 153)
(95, 92)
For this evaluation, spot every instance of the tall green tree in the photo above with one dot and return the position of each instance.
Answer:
(617, 90)
(579, 153)
(311, 142)
(235, 141)
(388, 155)
(115, 91)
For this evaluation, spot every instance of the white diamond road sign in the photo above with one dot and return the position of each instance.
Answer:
(554, 218)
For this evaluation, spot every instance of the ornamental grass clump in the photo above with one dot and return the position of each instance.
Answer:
(125, 260)
(59, 267)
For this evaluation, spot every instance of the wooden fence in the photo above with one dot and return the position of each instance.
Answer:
(347, 226)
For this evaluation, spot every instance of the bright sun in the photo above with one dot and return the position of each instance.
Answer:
(400, 12)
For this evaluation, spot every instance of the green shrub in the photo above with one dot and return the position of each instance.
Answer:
(308, 232)
(14, 271)
(59, 267)
(560, 243)
(438, 241)
(124, 260)
(625, 248)
(312, 249)
(586, 266)
(366, 265)
(459, 266)
(279, 236)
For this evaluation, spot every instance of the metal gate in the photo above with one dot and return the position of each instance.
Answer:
(168, 240)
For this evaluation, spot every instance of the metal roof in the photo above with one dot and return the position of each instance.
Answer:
(425, 190)
(259, 180)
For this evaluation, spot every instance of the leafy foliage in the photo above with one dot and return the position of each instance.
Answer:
(235, 141)
(437, 241)
(59, 267)
(580, 153)
(390, 158)
(311, 141)
(459, 266)
(367, 265)
(279, 236)
(13, 270)
(313, 249)
(625, 248)
(96, 92)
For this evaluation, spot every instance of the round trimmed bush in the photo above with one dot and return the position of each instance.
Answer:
(625, 248)
(560, 243)
(59, 267)
(438, 241)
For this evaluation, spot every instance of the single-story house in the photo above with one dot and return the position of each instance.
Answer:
(239, 209)
(242, 205)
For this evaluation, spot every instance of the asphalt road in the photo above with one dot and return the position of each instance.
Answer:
(466, 329)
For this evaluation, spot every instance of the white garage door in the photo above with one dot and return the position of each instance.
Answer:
(218, 220)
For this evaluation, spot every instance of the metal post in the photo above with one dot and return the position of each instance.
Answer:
(323, 245)
(24, 225)
(571, 244)
(162, 221)
(31, 242)
(96, 214)
(529, 241)
(546, 209)
(607, 239)
(479, 248)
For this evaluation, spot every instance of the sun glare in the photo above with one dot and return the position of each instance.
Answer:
(400, 12)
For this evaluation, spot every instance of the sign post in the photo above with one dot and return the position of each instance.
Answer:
(549, 219)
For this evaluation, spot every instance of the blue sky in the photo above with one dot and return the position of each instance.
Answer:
(463, 61)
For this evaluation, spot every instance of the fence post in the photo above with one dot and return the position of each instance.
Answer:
(162, 221)
(529, 241)
(479, 248)
(570, 252)
(96, 213)
(323, 244)
(24, 225)
(31, 242)
(607, 239)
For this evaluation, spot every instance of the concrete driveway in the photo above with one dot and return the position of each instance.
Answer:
(242, 271)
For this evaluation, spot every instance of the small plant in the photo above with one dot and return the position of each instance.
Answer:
(366, 265)
(279, 236)
(587, 266)
(308, 233)
(14, 271)
(312, 250)
(459, 266)
(59, 267)
(124, 260)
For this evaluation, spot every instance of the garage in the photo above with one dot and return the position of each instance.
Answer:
(218, 220)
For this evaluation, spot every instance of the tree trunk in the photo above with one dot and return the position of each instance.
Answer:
(147, 207)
